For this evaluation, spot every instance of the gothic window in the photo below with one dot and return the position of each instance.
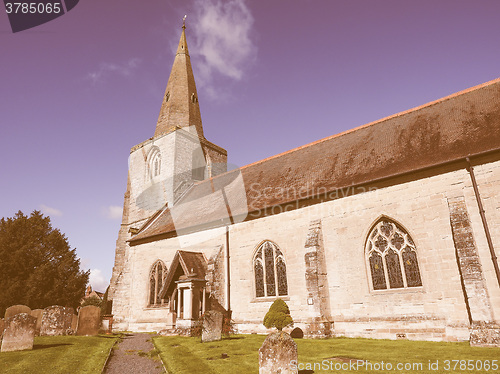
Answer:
(392, 257)
(269, 271)
(156, 277)
(154, 163)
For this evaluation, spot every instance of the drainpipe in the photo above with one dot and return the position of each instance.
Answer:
(470, 169)
(228, 274)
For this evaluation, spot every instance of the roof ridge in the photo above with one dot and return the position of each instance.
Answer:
(426, 105)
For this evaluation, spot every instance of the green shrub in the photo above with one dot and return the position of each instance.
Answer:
(92, 300)
(278, 315)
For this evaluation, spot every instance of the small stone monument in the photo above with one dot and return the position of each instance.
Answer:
(16, 309)
(212, 326)
(56, 320)
(37, 313)
(19, 333)
(278, 354)
(89, 320)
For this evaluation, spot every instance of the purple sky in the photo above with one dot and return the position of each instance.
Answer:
(78, 92)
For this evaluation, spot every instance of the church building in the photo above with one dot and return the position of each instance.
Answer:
(390, 230)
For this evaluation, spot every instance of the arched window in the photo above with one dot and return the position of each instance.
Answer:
(269, 271)
(392, 257)
(156, 277)
(154, 163)
(198, 169)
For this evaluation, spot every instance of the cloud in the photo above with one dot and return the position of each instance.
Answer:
(50, 211)
(222, 31)
(97, 280)
(105, 68)
(113, 212)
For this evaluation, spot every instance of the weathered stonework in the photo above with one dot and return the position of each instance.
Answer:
(16, 309)
(19, 333)
(278, 354)
(318, 299)
(57, 320)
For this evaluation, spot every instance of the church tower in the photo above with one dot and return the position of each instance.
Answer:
(164, 167)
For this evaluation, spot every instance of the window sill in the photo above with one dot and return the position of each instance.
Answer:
(269, 299)
(153, 307)
(418, 289)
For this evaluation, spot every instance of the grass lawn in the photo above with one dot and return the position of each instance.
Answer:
(183, 355)
(60, 354)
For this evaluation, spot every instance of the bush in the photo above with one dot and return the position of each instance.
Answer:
(92, 300)
(278, 315)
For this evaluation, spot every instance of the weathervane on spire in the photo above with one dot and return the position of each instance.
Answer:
(184, 21)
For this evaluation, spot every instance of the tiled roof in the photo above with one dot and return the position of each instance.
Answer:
(448, 129)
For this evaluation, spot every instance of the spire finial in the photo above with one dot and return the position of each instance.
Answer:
(184, 22)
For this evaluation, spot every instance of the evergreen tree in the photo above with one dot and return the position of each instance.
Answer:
(278, 315)
(37, 266)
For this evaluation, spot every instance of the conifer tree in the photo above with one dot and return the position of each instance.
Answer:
(37, 266)
(278, 315)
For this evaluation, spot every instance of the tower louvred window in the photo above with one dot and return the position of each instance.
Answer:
(392, 257)
(154, 163)
(270, 271)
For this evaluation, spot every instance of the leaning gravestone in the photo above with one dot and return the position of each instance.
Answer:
(278, 354)
(212, 326)
(37, 313)
(16, 309)
(19, 333)
(89, 320)
(56, 320)
(74, 322)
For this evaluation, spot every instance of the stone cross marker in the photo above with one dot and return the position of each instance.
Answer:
(16, 309)
(19, 333)
(56, 320)
(89, 320)
(37, 313)
(278, 354)
(212, 326)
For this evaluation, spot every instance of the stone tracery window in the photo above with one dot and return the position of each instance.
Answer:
(392, 257)
(269, 271)
(156, 277)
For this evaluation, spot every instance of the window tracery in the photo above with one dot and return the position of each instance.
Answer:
(156, 277)
(270, 271)
(392, 257)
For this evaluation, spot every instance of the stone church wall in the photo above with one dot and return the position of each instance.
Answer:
(434, 311)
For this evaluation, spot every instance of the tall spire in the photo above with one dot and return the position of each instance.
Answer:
(180, 106)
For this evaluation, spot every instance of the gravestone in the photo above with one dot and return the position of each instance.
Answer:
(89, 320)
(37, 313)
(19, 333)
(2, 326)
(56, 320)
(74, 322)
(297, 333)
(16, 309)
(212, 326)
(278, 354)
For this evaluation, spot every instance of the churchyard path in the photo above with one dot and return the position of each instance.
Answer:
(132, 356)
